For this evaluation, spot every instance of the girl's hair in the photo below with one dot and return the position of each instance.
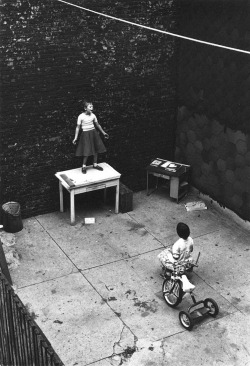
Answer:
(183, 230)
(86, 103)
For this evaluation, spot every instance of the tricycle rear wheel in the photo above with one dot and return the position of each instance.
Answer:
(212, 306)
(186, 320)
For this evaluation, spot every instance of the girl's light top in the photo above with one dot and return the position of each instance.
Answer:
(182, 248)
(86, 121)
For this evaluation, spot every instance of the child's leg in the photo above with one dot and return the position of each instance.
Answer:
(166, 266)
(84, 162)
(95, 165)
(166, 271)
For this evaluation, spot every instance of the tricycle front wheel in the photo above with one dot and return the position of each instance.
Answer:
(172, 292)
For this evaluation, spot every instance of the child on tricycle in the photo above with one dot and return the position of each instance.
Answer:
(180, 251)
(176, 261)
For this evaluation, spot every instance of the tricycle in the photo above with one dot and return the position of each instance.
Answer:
(174, 287)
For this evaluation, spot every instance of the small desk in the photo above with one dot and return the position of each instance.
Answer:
(177, 177)
(75, 182)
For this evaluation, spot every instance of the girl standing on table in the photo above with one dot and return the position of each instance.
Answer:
(90, 142)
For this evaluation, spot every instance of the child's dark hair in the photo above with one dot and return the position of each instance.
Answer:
(183, 230)
(86, 103)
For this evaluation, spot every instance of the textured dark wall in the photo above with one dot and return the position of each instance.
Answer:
(53, 56)
(213, 133)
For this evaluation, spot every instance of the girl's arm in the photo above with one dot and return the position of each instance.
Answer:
(100, 129)
(76, 134)
(176, 251)
(191, 245)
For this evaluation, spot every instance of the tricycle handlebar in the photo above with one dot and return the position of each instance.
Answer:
(197, 259)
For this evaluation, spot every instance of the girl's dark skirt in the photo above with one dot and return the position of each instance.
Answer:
(90, 143)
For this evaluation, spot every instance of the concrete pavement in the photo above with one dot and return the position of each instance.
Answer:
(96, 289)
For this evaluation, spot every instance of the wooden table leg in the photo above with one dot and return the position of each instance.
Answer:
(61, 196)
(174, 188)
(117, 198)
(157, 181)
(154, 189)
(72, 207)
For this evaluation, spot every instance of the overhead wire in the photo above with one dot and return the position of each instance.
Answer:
(156, 29)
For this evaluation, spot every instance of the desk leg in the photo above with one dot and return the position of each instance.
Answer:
(156, 186)
(72, 207)
(117, 198)
(61, 196)
(157, 181)
(174, 187)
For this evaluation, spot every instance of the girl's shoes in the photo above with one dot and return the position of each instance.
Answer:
(98, 167)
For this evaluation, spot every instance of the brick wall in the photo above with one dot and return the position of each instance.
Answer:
(213, 133)
(53, 56)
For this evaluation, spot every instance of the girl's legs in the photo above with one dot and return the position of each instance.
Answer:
(95, 163)
(84, 162)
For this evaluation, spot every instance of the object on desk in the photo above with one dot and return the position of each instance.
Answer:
(171, 167)
(125, 198)
(156, 162)
(167, 164)
(195, 206)
(89, 220)
(67, 180)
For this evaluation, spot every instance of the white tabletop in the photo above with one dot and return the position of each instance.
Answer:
(92, 176)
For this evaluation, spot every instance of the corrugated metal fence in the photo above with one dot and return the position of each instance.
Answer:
(22, 343)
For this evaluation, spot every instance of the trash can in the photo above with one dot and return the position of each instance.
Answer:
(12, 221)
